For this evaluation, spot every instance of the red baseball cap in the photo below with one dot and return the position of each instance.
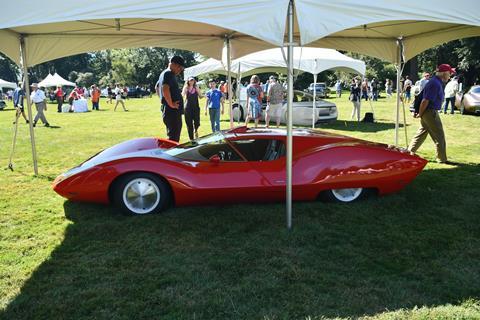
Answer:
(445, 67)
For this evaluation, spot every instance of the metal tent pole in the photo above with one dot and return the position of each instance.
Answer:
(399, 73)
(229, 80)
(314, 100)
(26, 85)
(289, 115)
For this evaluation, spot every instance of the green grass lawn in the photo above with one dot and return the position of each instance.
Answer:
(414, 254)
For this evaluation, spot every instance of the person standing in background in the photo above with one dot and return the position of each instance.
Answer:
(119, 97)
(18, 96)
(38, 97)
(355, 98)
(374, 86)
(338, 88)
(451, 90)
(191, 92)
(388, 88)
(215, 99)
(274, 102)
(407, 89)
(171, 97)
(254, 100)
(59, 97)
(95, 94)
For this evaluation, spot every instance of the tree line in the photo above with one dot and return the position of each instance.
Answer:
(142, 66)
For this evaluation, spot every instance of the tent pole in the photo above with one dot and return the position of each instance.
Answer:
(289, 115)
(26, 85)
(399, 90)
(239, 82)
(229, 80)
(314, 100)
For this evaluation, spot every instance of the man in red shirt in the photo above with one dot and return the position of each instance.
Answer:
(59, 97)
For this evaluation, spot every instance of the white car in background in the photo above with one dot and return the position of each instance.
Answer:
(325, 111)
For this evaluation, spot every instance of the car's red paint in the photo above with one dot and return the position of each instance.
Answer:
(321, 161)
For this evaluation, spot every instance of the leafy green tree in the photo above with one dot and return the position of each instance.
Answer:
(8, 69)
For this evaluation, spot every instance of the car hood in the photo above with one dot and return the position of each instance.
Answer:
(319, 103)
(141, 147)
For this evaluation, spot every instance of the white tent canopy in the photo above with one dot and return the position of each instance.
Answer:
(311, 60)
(372, 27)
(57, 29)
(6, 84)
(55, 80)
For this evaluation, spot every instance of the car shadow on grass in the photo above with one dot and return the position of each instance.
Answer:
(419, 247)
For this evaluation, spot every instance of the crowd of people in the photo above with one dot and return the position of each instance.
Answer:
(173, 106)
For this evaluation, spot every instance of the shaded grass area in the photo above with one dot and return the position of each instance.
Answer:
(378, 258)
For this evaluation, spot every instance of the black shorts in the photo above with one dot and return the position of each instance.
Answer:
(22, 108)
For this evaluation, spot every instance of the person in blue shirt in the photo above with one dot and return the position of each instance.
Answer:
(215, 99)
(430, 123)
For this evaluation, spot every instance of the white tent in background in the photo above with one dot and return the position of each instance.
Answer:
(311, 60)
(210, 65)
(6, 84)
(55, 80)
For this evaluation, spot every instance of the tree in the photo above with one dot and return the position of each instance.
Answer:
(8, 69)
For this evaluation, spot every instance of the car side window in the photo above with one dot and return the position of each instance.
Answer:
(205, 151)
(260, 149)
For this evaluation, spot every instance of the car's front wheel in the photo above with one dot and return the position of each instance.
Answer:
(344, 195)
(141, 193)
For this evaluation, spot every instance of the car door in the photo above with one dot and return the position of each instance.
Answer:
(266, 156)
(219, 174)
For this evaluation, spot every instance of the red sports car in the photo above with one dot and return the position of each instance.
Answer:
(146, 175)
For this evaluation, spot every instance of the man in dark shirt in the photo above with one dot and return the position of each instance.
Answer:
(171, 97)
(430, 123)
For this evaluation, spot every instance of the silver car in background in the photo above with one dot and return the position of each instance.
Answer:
(325, 111)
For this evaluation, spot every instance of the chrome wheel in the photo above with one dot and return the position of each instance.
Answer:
(237, 113)
(347, 195)
(141, 195)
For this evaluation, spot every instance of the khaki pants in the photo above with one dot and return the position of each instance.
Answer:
(431, 124)
(40, 115)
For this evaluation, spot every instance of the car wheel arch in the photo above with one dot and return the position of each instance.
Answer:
(118, 179)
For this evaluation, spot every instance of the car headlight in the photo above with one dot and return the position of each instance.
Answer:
(72, 172)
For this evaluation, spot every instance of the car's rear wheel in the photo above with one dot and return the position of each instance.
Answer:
(141, 193)
(345, 195)
(237, 112)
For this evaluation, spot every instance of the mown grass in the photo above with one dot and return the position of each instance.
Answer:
(414, 254)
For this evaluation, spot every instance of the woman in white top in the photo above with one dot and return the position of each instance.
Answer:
(119, 97)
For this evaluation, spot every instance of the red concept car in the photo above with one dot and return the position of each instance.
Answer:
(146, 175)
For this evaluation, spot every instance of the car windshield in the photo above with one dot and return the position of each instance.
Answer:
(299, 96)
(319, 85)
(475, 90)
(203, 148)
